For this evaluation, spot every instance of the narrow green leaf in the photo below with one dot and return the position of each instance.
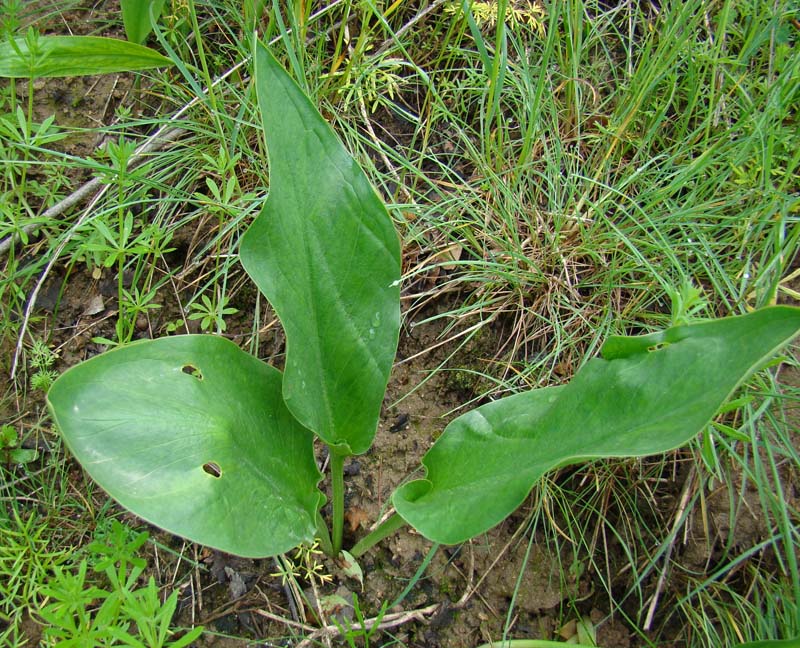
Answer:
(65, 56)
(733, 433)
(647, 395)
(136, 17)
(326, 255)
(188, 638)
(191, 434)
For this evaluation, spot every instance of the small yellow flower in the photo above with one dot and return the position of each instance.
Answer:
(525, 13)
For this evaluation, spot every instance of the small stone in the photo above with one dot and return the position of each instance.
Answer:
(352, 469)
(401, 423)
(94, 306)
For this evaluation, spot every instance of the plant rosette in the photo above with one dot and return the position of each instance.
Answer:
(202, 439)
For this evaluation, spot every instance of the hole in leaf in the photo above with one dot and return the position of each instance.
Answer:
(191, 370)
(658, 347)
(212, 469)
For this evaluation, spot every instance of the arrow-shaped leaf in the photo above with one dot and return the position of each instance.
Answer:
(647, 395)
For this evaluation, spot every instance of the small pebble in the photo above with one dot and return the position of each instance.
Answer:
(400, 423)
(352, 469)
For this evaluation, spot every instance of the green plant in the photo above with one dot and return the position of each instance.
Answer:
(80, 612)
(10, 452)
(359, 630)
(532, 643)
(541, 643)
(372, 86)
(303, 564)
(31, 56)
(487, 13)
(42, 358)
(34, 56)
(138, 17)
(210, 314)
(116, 238)
(209, 424)
(26, 561)
(20, 138)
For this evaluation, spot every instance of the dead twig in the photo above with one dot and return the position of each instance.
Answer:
(386, 622)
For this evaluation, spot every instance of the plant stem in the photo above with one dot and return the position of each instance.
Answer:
(385, 529)
(323, 536)
(210, 92)
(122, 180)
(198, 36)
(337, 487)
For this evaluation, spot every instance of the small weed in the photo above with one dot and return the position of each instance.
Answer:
(304, 564)
(373, 84)
(359, 630)
(27, 561)
(10, 452)
(81, 612)
(41, 359)
(485, 14)
(211, 313)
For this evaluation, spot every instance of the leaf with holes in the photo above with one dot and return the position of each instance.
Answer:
(647, 395)
(326, 255)
(191, 434)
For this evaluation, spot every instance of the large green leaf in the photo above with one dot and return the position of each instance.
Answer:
(771, 643)
(647, 395)
(136, 17)
(325, 253)
(35, 56)
(191, 434)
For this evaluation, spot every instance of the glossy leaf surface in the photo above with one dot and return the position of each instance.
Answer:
(326, 255)
(647, 395)
(191, 434)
